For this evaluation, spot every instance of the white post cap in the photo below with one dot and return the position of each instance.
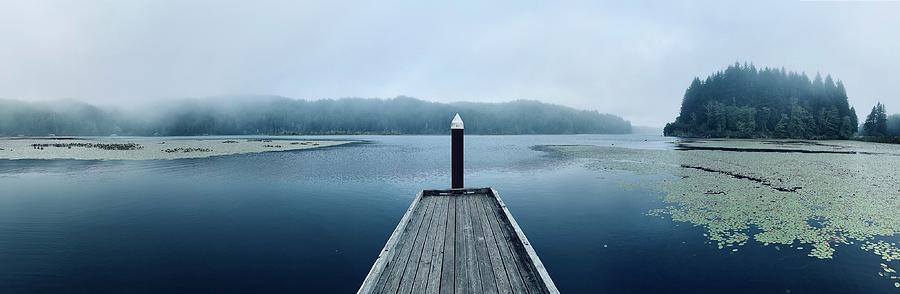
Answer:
(457, 123)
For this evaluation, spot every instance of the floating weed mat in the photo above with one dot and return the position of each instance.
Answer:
(145, 148)
(817, 201)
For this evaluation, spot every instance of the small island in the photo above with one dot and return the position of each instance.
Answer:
(745, 102)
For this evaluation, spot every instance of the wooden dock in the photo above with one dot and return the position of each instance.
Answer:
(458, 241)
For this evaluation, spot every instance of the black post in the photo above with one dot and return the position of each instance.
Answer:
(456, 134)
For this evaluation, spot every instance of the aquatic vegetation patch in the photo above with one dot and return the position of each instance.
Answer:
(815, 201)
(134, 148)
(102, 146)
(779, 150)
(789, 146)
(887, 251)
(186, 150)
(890, 274)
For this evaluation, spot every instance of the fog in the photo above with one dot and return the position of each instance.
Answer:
(632, 59)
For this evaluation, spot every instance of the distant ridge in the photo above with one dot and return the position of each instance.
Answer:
(274, 115)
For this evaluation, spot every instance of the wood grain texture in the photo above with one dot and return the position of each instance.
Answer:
(458, 241)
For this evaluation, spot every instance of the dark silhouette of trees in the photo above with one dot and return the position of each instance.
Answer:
(876, 124)
(880, 127)
(745, 102)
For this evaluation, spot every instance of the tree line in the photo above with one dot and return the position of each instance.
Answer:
(745, 102)
(251, 115)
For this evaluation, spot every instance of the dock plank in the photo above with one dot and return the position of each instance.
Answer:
(493, 250)
(517, 285)
(525, 269)
(402, 242)
(475, 284)
(462, 279)
(412, 265)
(448, 273)
(458, 241)
(529, 254)
(434, 278)
(430, 253)
(400, 260)
(482, 265)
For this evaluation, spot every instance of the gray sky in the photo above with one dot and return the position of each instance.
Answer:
(634, 59)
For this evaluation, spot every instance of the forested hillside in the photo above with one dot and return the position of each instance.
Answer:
(279, 115)
(744, 102)
(60, 117)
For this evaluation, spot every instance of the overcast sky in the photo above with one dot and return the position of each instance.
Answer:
(634, 59)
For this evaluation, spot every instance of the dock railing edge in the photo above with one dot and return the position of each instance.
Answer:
(383, 256)
(535, 260)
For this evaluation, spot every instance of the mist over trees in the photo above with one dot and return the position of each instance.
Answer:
(61, 117)
(893, 124)
(876, 124)
(880, 127)
(278, 115)
(745, 102)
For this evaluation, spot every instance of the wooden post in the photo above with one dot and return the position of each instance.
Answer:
(456, 134)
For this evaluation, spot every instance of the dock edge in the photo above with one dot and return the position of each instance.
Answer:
(385, 253)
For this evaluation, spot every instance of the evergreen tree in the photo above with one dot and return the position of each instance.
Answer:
(745, 102)
(876, 122)
(829, 122)
(801, 124)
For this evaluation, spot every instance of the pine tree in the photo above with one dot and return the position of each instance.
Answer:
(876, 122)
(781, 129)
(801, 123)
(829, 122)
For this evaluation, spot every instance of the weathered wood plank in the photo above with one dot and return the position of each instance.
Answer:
(526, 271)
(483, 262)
(448, 274)
(462, 274)
(437, 254)
(458, 241)
(398, 263)
(475, 284)
(515, 280)
(501, 278)
(412, 266)
(426, 262)
(533, 258)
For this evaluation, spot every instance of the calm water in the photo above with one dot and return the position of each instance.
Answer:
(314, 221)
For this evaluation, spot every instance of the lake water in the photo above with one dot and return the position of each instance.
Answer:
(314, 221)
